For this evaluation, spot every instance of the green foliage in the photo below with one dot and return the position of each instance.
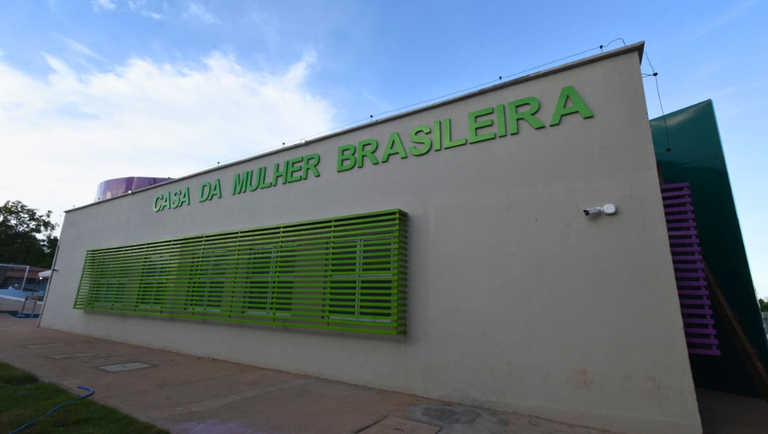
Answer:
(763, 305)
(26, 235)
(23, 398)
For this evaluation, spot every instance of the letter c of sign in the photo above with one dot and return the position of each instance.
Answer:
(154, 205)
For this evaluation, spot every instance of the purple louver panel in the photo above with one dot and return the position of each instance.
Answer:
(692, 287)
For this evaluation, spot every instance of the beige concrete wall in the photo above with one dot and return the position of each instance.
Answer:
(516, 300)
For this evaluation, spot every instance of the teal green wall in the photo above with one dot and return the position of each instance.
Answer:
(697, 157)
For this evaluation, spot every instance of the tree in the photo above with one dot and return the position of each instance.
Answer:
(26, 235)
(763, 305)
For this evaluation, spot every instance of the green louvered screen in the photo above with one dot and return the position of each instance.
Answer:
(346, 273)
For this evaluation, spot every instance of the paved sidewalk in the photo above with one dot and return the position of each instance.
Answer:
(194, 395)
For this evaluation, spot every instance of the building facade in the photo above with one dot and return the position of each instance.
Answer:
(459, 263)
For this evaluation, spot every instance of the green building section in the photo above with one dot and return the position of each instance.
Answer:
(696, 156)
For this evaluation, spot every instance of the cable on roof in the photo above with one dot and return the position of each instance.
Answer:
(617, 39)
(655, 76)
(370, 118)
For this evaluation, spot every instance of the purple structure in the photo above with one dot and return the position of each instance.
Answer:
(117, 186)
(688, 262)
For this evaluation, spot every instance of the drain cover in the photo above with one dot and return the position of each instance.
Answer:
(46, 345)
(71, 356)
(120, 367)
(396, 425)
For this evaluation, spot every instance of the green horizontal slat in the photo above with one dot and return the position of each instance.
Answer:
(346, 273)
(330, 325)
(336, 222)
(338, 257)
(293, 243)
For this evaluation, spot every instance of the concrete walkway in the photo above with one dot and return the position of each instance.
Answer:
(194, 395)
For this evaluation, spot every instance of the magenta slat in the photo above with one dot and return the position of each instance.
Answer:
(678, 209)
(677, 201)
(682, 225)
(701, 331)
(703, 351)
(709, 341)
(687, 258)
(675, 193)
(692, 302)
(690, 283)
(688, 311)
(685, 249)
(683, 233)
(693, 240)
(701, 292)
(688, 266)
(686, 216)
(691, 275)
(666, 187)
(698, 321)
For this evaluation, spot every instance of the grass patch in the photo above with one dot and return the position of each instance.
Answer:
(15, 377)
(23, 398)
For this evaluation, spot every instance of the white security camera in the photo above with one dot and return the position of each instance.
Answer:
(608, 208)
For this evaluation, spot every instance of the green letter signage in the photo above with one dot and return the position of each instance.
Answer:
(241, 182)
(415, 138)
(447, 135)
(170, 200)
(501, 120)
(526, 115)
(475, 125)
(495, 122)
(363, 151)
(346, 159)
(579, 106)
(310, 164)
(394, 146)
(208, 190)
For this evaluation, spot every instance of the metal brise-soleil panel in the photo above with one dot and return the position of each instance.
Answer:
(688, 262)
(346, 273)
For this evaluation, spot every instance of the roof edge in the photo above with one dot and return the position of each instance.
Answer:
(637, 47)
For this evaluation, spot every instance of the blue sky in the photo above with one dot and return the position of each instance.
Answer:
(91, 85)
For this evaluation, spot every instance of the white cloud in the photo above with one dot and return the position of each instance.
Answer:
(103, 5)
(79, 48)
(140, 7)
(152, 14)
(723, 18)
(198, 11)
(110, 5)
(63, 135)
